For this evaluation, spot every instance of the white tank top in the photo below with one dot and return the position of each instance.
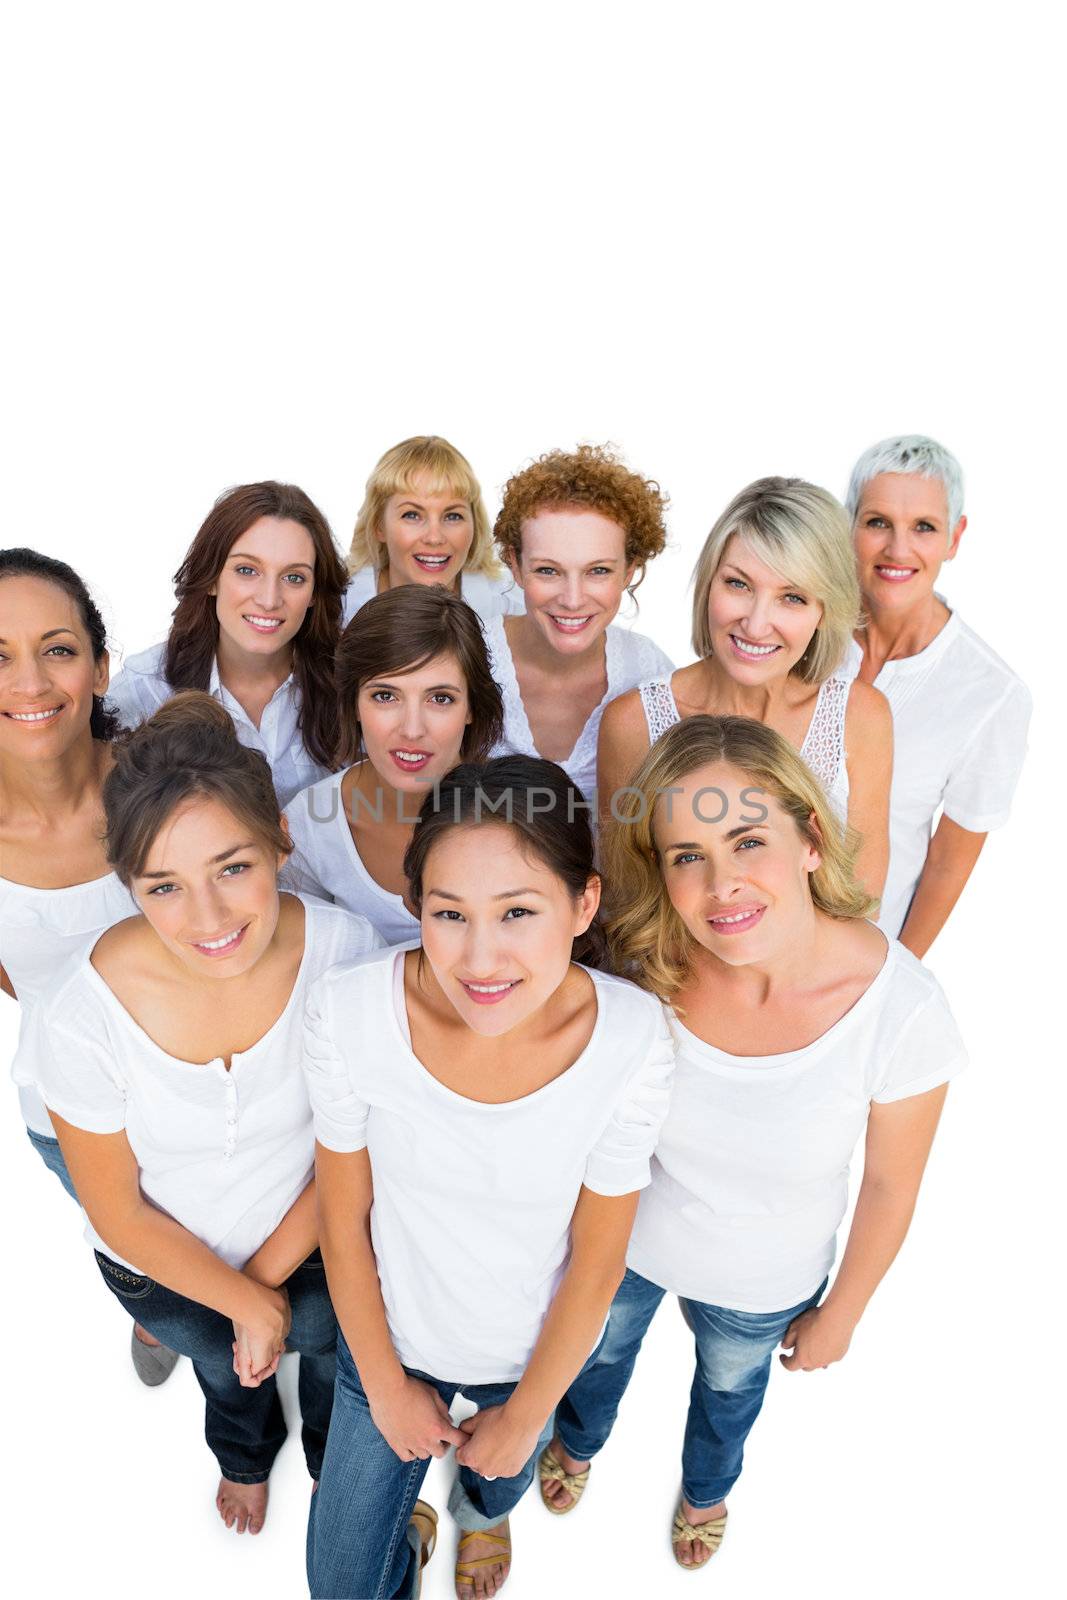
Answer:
(824, 743)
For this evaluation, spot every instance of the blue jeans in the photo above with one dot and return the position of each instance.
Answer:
(52, 1156)
(359, 1544)
(244, 1428)
(733, 1349)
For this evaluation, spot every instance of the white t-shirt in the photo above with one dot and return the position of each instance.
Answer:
(473, 1203)
(224, 1153)
(140, 689)
(41, 930)
(750, 1176)
(630, 659)
(326, 863)
(489, 596)
(960, 720)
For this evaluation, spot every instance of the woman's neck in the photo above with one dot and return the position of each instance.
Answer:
(530, 648)
(795, 964)
(52, 790)
(894, 635)
(254, 676)
(759, 702)
(379, 803)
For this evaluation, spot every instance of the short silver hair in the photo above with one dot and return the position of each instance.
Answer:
(908, 452)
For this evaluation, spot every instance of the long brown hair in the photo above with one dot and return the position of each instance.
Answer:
(194, 634)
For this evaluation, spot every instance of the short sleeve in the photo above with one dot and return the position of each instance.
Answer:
(619, 1162)
(297, 876)
(979, 791)
(340, 1114)
(927, 1053)
(73, 1065)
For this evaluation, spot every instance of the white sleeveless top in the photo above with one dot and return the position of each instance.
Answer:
(824, 743)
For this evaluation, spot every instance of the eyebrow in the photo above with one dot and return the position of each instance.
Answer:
(51, 634)
(508, 894)
(734, 833)
(452, 505)
(168, 872)
(435, 688)
(243, 555)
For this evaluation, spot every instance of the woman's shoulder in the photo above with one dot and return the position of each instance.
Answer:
(355, 982)
(124, 948)
(334, 934)
(361, 587)
(141, 686)
(624, 1004)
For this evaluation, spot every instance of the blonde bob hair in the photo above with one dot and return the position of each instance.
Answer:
(801, 532)
(648, 940)
(439, 469)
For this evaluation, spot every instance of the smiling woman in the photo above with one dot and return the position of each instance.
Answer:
(257, 620)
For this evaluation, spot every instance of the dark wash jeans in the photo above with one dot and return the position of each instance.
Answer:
(52, 1156)
(359, 1544)
(244, 1428)
(733, 1351)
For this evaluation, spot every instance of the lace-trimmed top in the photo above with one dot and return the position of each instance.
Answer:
(824, 743)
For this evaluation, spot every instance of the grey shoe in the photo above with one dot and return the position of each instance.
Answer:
(153, 1363)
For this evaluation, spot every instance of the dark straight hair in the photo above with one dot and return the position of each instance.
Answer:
(21, 562)
(194, 634)
(536, 800)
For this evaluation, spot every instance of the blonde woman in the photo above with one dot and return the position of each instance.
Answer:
(423, 520)
(799, 1029)
(775, 600)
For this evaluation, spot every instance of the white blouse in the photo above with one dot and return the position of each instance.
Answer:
(630, 659)
(489, 596)
(960, 721)
(141, 688)
(326, 863)
(750, 1176)
(226, 1154)
(473, 1202)
(41, 931)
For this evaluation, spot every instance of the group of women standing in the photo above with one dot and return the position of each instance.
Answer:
(429, 978)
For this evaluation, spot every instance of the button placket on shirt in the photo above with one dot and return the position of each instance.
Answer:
(231, 1115)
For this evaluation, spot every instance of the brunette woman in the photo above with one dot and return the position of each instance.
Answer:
(799, 1030)
(577, 530)
(423, 520)
(256, 625)
(775, 600)
(169, 1060)
(498, 1102)
(415, 695)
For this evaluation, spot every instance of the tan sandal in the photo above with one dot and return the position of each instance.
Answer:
(425, 1519)
(709, 1534)
(549, 1470)
(464, 1574)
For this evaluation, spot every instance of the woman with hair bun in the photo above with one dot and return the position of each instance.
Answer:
(799, 1029)
(423, 520)
(524, 1089)
(256, 624)
(168, 1058)
(775, 599)
(415, 695)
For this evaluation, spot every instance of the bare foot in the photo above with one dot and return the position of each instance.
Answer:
(144, 1337)
(555, 1492)
(487, 1576)
(693, 1552)
(242, 1506)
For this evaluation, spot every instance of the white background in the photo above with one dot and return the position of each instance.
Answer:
(256, 240)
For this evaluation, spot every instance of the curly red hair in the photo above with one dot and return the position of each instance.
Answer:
(594, 479)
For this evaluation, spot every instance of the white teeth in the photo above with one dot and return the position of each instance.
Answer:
(895, 572)
(263, 622)
(753, 649)
(740, 916)
(573, 623)
(433, 561)
(409, 755)
(34, 716)
(219, 944)
(490, 988)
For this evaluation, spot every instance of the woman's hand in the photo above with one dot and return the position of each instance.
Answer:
(414, 1421)
(260, 1341)
(496, 1446)
(816, 1338)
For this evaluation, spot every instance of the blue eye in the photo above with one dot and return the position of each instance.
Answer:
(235, 868)
(162, 889)
(456, 516)
(296, 579)
(735, 583)
(685, 858)
(743, 844)
(796, 599)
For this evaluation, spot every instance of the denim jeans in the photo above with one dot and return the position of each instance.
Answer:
(52, 1156)
(359, 1545)
(244, 1428)
(733, 1350)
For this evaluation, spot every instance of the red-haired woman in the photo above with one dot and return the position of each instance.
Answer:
(257, 620)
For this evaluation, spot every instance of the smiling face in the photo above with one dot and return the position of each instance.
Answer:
(498, 925)
(573, 573)
(209, 889)
(739, 882)
(427, 537)
(413, 723)
(266, 585)
(902, 536)
(760, 625)
(47, 673)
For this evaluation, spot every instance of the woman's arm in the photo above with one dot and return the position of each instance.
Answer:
(621, 744)
(869, 759)
(292, 1242)
(105, 1174)
(6, 986)
(502, 1438)
(899, 1136)
(949, 863)
(410, 1415)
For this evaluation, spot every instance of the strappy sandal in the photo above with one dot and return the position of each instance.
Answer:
(549, 1470)
(709, 1534)
(464, 1569)
(425, 1519)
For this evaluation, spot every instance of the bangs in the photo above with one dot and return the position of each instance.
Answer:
(790, 558)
